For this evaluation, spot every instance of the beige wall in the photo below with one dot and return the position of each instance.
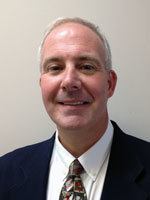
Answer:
(23, 119)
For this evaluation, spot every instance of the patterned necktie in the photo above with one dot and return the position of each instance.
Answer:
(73, 188)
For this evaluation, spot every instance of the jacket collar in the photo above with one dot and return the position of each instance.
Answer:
(124, 173)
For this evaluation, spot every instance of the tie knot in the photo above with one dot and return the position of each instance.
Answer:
(75, 168)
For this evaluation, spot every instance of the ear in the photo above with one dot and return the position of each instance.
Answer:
(40, 81)
(112, 80)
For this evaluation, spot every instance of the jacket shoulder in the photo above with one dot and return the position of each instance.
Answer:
(140, 147)
(130, 143)
(12, 164)
(21, 153)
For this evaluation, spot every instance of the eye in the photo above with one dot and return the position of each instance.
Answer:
(53, 69)
(88, 68)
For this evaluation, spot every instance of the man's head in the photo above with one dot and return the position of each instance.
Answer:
(76, 79)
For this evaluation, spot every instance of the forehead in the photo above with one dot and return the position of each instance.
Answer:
(72, 36)
(73, 28)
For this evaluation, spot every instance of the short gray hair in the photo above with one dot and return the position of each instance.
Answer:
(92, 26)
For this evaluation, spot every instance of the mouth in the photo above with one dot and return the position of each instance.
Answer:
(76, 103)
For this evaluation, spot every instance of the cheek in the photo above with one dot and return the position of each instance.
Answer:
(44, 89)
(98, 88)
(47, 89)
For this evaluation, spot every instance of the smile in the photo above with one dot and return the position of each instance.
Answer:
(75, 103)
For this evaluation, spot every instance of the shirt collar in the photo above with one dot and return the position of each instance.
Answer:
(65, 156)
(93, 159)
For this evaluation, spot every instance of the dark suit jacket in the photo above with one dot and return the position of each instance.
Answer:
(24, 172)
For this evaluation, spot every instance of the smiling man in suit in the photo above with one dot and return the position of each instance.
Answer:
(88, 157)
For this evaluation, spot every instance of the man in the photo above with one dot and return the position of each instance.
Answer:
(76, 82)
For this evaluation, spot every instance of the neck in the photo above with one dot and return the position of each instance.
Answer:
(79, 141)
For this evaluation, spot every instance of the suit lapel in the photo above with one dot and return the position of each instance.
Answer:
(32, 176)
(124, 170)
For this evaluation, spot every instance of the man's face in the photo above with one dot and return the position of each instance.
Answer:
(74, 83)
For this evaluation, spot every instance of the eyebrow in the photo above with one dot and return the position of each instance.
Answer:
(90, 58)
(51, 59)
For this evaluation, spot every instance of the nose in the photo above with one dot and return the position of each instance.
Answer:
(71, 81)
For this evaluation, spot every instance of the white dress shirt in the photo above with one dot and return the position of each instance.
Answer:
(94, 162)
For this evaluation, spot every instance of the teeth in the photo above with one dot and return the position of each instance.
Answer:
(74, 103)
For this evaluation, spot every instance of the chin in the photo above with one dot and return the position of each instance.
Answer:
(71, 123)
